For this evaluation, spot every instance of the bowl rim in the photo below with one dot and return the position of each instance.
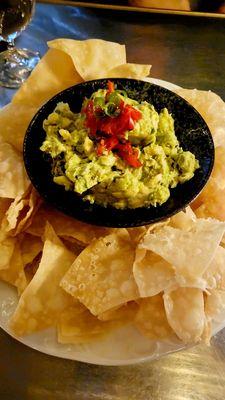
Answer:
(184, 204)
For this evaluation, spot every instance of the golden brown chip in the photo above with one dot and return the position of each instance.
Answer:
(54, 73)
(43, 299)
(14, 120)
(30, 247)
(185, 313)
(214, 276)
(152, 273)
(210, 201)
(183, 220)
(190, 252)
(4, 206)
(7, 246)
(77, 325)
(18, 216)
(14, 273)
(151, 319)
(126, 313)
(134, 71)
(92, 58)
(215, 305)
(212, 109)
(64, 226)
(13, 178)
(101, 277)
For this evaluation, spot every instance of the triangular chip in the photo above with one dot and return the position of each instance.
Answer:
(214, 276)
(19, 215)
(77, 325)
(190, 252)
(151, 319)
(101, 277)
(64, 226)
(126, 313)
(215, 306)
(14, 121)
(183, 220)
(43, 299)
(14, 273)
(54, 73)
(212, 109)
(185, 313)
(152, 273)
(133, 71)
(7, 246)
(30, 247)
(93, 58)
(13, 178)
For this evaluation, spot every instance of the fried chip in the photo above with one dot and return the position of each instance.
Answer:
(13, 178)
(6, 250)
(14, 120)
(214, 276)
(210, 202)
(43, 299)
(19, 215)
(190, 252)
(54, 73)
(215, 305)
(152, 273)
(185, 313)
(64, 226)
(101, 277)
(30, 247)
(126, 313)
(151, 319)
(4, 206)
(77, 325)
(183, 220)
(212, 109)
(14, 273)
(92, 58)
(133, 71)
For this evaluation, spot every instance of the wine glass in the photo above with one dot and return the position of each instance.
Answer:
(15, 64)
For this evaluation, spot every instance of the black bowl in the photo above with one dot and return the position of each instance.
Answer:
(191, 131)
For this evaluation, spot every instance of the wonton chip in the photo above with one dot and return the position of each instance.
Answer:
(77, 325)
(183, 220)
(210, 202)
(185, 313)
(126, 313)
(64, 226)
(13, 178)
(14, 121)
(14, 273)
(214, 276)
(30, 247)
(152, 273)
(215, 305)
(93, 58)
(18, 216)
(54, 73)
(189, 252)
(6, 250)
(212, 109)
(101, 277)
(43, 299)
(151, 319)
(134, 71)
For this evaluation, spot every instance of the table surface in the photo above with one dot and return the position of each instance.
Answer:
(189, 52)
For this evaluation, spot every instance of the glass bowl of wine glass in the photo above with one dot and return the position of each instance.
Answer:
(15, 64)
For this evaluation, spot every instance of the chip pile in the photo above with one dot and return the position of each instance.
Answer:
(167, 279)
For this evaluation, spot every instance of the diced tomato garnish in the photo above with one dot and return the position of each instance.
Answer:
(114, 128)
(129, 154)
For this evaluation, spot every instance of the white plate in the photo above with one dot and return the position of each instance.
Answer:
(124, 346)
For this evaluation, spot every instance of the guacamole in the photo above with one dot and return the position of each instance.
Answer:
(116, 151)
